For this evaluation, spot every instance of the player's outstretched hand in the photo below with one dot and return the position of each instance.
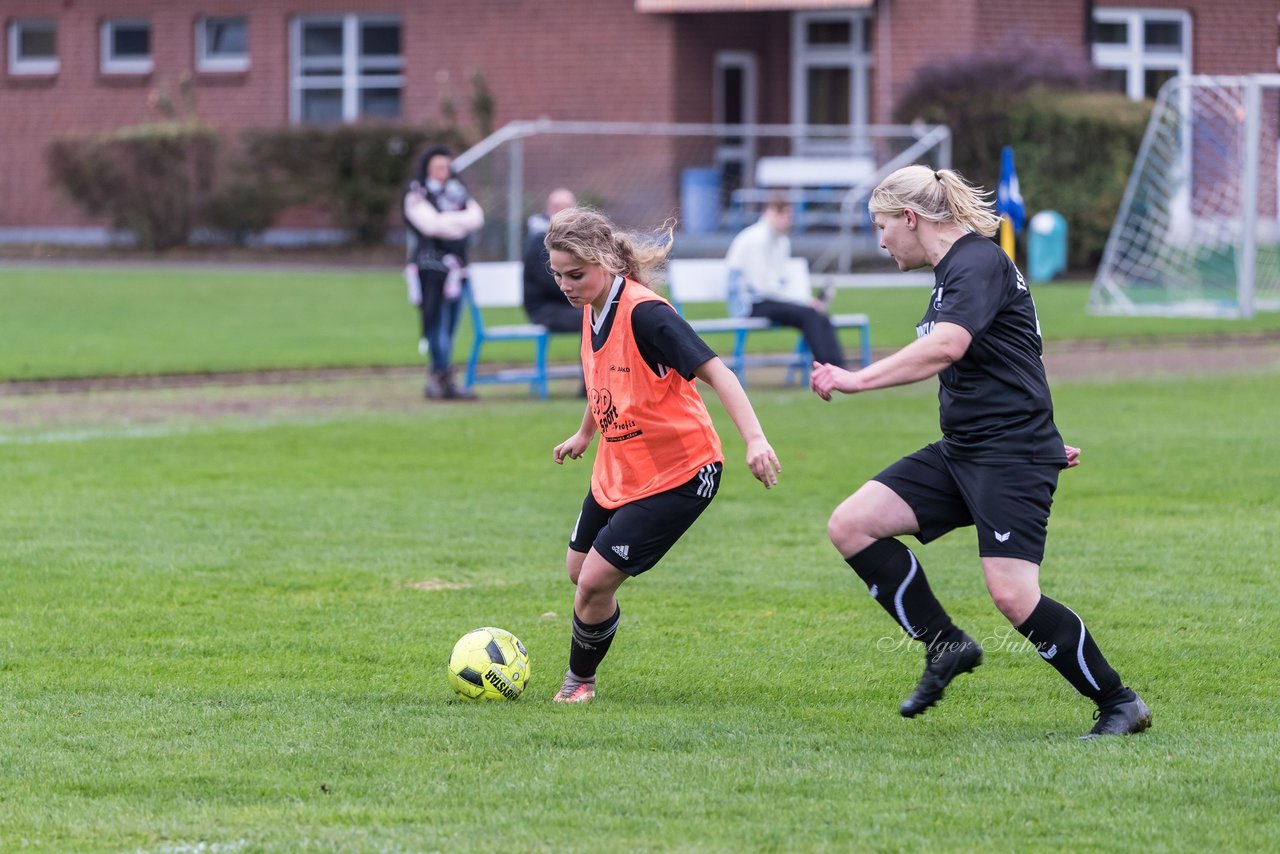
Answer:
(1073, 456)
(573, 447)
(763, 462)
(828, 378)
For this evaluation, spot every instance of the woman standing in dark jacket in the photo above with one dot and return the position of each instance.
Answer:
(441, 216)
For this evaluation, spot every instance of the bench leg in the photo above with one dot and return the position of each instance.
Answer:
(474, 359)
(739, 365)
(800, 363)
(864, 334)
(539, 384)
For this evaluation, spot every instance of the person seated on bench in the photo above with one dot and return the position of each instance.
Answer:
(759, 285)
(543, 301)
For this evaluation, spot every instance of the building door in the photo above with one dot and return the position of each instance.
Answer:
(831, 80)
(734, 91)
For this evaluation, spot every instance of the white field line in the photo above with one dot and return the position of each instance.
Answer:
(154, 431)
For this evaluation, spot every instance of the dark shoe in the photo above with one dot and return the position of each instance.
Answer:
(950, 660)
(451, 389)
(1127, 718)
(435, 387)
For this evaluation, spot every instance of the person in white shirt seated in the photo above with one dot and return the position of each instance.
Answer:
(759, 285)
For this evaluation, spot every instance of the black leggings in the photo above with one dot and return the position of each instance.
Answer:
(816, 327)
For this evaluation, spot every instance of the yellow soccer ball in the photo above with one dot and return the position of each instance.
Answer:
(489, 664)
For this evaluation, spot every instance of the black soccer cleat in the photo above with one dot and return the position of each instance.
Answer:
(954, 658)
(1131, 716)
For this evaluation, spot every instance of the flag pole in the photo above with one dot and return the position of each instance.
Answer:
(1009, 205)
(1007, 241)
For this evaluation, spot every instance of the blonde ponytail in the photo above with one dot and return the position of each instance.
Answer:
(936, 195)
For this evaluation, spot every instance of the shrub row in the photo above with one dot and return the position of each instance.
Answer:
(163, 181)
(153, 180)
(1074, 147)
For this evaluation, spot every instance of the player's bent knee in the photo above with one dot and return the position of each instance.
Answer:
(573, 564)
(598, 580)
(1004, 600)
(592, 589)
(1015, 601)
(847, 530)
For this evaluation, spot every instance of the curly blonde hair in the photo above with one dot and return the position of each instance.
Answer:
(592, 238)
(939, 195)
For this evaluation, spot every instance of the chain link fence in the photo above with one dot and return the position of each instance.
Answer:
(712, 179)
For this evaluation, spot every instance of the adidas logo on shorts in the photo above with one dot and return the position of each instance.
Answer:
(623, 552)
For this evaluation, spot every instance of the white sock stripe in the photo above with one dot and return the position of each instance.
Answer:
(1084, 668)
(583, 634)
(901, 591)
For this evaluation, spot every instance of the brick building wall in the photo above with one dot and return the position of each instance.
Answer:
(904, 44)
(571, 59)
(568, 59)
(1239, 37)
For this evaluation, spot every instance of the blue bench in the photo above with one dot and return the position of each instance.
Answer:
(705, 280)
(499, 284)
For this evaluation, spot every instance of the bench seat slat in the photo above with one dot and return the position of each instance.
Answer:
(705, 281)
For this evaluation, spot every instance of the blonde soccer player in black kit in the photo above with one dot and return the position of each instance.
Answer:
(996, 466)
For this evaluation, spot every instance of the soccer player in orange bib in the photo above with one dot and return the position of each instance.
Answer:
(659, 461)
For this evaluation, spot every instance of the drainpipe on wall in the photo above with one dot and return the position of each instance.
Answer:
(1088, 31)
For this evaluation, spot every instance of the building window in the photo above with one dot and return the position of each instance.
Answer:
(831, 78)
(33, 47)
(346, 68)
(126, 47)
(222, 44)
(1138, 50)
(734, 101)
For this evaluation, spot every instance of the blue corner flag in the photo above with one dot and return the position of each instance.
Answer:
(1008, 194)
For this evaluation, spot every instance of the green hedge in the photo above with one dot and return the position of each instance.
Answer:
(1074, 153)
(149, 179)
(353, 173)
(1074, 148)
(161, 181)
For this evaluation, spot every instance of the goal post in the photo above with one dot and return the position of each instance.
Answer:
(1197, 233)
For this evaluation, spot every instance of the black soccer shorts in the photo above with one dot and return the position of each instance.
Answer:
(635, 536)
(1007, 503)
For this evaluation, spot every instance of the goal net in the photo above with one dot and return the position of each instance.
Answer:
(1197, 233)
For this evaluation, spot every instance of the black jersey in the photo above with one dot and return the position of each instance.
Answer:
(994, 403)
(664, 338)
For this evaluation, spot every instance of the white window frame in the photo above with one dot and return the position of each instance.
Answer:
(113, 65)
(855, 57)
(219, 64)
(1132, 57)
(18, 64)
(348, 77)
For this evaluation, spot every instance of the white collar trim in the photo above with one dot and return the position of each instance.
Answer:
(598, 322)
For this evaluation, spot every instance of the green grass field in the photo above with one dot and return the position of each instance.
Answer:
(225, 628)
(71, 321)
